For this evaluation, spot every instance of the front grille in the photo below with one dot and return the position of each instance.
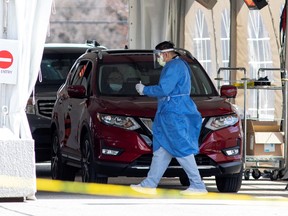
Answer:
(145, 160)
(45, 107)
(204, 160)
(147, 124)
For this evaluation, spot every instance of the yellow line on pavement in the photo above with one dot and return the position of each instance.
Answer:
(15, 183)
(126, 191)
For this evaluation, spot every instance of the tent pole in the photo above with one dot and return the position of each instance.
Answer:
(4, 108)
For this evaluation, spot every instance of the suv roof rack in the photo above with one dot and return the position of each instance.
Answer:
(127, 51)
(93, 42)
(180, 51)
(95, 49)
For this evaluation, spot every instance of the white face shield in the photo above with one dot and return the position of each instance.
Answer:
(158, 60)
(158, 57)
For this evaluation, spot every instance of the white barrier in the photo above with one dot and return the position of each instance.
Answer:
(18, 170)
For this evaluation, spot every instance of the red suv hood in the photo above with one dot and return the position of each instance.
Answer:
(146, 106)
(213, 106)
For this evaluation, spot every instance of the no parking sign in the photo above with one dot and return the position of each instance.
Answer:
(8, 61)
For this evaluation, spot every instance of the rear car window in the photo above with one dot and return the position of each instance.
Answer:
(55, 67)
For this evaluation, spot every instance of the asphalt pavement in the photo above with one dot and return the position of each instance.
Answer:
(256, 197)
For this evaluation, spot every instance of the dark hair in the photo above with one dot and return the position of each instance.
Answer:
(165, 45)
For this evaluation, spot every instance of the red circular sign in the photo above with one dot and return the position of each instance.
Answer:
(6, 59)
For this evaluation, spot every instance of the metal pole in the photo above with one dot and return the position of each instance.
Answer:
(285, 128)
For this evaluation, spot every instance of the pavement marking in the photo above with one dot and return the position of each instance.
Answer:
(126, 191)
(118, 190)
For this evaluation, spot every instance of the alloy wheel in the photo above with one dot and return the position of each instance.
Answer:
(86, 159)
(55, 156)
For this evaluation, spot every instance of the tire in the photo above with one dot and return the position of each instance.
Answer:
(59, 170)
(256, 173)
(274, 175)
(281, 173)
(88, 171)
(229, 183)
(184, 180)
(247, 174)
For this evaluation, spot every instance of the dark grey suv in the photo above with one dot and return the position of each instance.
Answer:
(57, 60)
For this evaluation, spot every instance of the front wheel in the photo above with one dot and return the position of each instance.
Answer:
(184, 180)
(247, 174)
(59, 170)
(274, 175)
(88, 171)
(229, 183)
(256, 174)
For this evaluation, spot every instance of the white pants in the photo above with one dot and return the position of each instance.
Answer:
(160, 161)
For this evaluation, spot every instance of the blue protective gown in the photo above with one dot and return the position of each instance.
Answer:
(177, 122)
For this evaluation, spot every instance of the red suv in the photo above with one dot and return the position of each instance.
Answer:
(102, 127)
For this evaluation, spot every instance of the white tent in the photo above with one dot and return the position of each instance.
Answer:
(151, 21)
(26, 23)
(252, 35)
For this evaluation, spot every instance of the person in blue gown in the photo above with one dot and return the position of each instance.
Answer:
(177, 122)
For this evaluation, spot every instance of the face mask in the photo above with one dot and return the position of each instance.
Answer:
(115, 87)
(161, 61)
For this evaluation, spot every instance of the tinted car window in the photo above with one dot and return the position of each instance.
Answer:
(125, 76)
(200, 84)
(81, 74)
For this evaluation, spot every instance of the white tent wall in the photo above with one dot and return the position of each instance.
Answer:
(241, 52)
(151, 22)
(213, 27)
(27, 23)
(238, 44)
(286, 98)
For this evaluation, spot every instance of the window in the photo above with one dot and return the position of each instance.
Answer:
(259, 57)
(120, 79)
(81, 74)
(55, 67)
(202, 42)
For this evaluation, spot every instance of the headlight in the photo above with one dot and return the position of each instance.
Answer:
(30, 107)
(118, 121)
(216, 123)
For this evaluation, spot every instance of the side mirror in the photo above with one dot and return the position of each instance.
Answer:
(76, 91)
(228, 91)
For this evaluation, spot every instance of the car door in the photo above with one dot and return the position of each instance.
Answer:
(62, 112)
(77, 106)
